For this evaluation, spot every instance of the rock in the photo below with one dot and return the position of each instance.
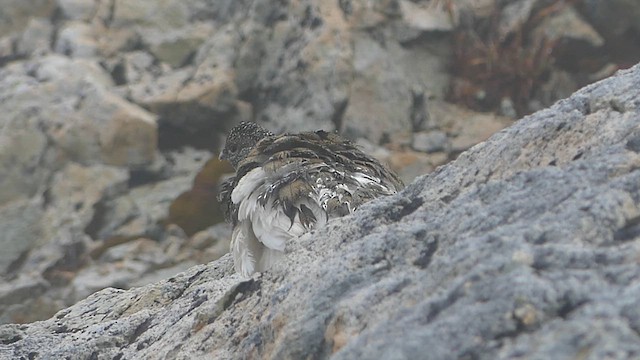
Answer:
(136, 67)
(187, 161)
(532, 234)
(66, 75)
(36, 39)
(613, 18)
(577, 46)
(140, 212)
(513, 15)
(162, 274)
(7, 48)
(411, 164)
(77, 39)
(426, 17)
(175, 47)
(474, 128)
(479, 8)
(276, 66)
(198, 100)
(432, 141)
(163, 14)
(133, 263)
(156, 93)
(23, 152)
(108, 129)
(568, 25)
(209, 244)
(305, 68)
(77, 191)
(54, 249)
(114, 41)
(369, 14)
(507, 108)
(129, 245)
(35, 288)
(117, 274)
(12, 298)
(21, 228)
(408, 164)
(85, 122)
(15, 14)
(83, 10)
(382, 94)
(129, 137)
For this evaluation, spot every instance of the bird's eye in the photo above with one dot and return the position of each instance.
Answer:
(232, 147)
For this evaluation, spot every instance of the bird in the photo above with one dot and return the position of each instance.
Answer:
(289, 184)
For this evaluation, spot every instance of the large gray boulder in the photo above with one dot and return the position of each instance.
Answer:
(527, 246)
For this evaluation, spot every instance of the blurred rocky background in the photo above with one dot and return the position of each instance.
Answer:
(112, 111)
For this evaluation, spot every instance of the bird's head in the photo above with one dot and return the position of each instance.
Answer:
(241, 139)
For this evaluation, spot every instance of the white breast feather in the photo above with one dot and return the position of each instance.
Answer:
(261, 235)
(272, 227)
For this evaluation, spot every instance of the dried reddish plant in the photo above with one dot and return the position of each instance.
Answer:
(488, 68)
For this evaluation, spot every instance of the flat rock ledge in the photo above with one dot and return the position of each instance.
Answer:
(525, 247)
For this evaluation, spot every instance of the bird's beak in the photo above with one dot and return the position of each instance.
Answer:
(223, 155)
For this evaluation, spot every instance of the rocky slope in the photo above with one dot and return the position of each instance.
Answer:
(527, 246)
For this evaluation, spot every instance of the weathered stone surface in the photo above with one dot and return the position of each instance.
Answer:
(302, 62)
(381, 95)
(411, 164)
(43, 239)
(13, 297)
(77, 39)
(36, 39)
(568, 25)
(83, 10)
(20, 229)
(301, 67)
(625, 13)
(525, 246)
(77, 190)
(175, 47)
(160, 14)
(84, 120)
(141, 211)
(476, 127)
(426, 17)
(23, 150)
(513, 15)
(431, 141)
(15, 14)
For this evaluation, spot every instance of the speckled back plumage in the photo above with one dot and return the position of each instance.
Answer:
(289, 184)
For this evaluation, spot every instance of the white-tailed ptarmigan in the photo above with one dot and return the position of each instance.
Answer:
(286, 185)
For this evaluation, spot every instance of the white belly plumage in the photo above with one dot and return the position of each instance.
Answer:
(263, 227)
